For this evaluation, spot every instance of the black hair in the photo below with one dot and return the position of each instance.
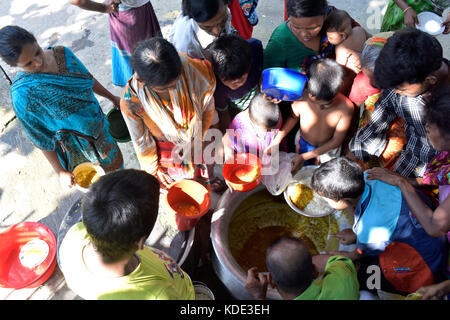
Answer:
(336, 20)
(201, 10)
(437, 110)
(289, 262)
(338, 179)
(263, 112)
(156, 61)
(231, 56)
(409, 55)
(306, 8)
(325, 78)
(120, 209)
(12, 40)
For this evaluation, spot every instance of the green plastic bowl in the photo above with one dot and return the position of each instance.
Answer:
(117, 126)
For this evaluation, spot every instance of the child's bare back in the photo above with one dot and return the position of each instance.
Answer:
(319, 124)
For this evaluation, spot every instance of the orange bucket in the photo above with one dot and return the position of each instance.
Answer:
(244, 174)
(188, 201)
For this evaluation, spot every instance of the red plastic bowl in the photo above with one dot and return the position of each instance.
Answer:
(242, 160)
(13, 274)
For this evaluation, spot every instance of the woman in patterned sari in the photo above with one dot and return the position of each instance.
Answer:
(53, 98)
(167, 104)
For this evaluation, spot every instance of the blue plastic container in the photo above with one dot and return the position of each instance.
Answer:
(283, 84)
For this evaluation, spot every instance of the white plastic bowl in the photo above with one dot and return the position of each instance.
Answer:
(430, 23)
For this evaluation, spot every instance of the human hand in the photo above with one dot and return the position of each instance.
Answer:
(268, 150)
(346, 236)
(256, 283)
(446, 24)
(410, 18)
(110, 5)
(437, 290)
(66, 178)
(384, 175)
(116, 102)
(297, 164)
(271, 99)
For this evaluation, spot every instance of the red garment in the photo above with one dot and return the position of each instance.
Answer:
(239, 20)
(405, 268)
(361, 89)
(285, 11)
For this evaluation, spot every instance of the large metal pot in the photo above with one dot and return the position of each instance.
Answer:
(232, 275)
(224, 264)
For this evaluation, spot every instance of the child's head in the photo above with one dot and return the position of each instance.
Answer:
(119, 211)
(325, 78)
(210, 15)
(157, 63)
(408, 62)
(231, 59)
(338, 26)
(437, 119)
(289, 262)
(263, 113)
(340, 181)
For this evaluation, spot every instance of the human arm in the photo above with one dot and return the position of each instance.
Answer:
(346, 236)
(207, 117)
(108, 6)
(352, 255)
(410, 16)
(436, 223)
(437, 290)
(283, 132)
(227, 146)
(102, 91)
(348, 58)
(143, 141)
(66, 178)
(446, 24)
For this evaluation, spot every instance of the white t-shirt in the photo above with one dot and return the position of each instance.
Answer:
(189, 38)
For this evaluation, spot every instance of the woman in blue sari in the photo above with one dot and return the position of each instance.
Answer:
(53, 98)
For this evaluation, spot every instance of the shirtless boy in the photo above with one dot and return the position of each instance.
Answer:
(325, 116)
(349, 41)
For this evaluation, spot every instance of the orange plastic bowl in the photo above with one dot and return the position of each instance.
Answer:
(187, 201)
(242, 165)
(27, 255)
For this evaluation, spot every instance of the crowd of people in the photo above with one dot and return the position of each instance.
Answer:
(373, 117)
